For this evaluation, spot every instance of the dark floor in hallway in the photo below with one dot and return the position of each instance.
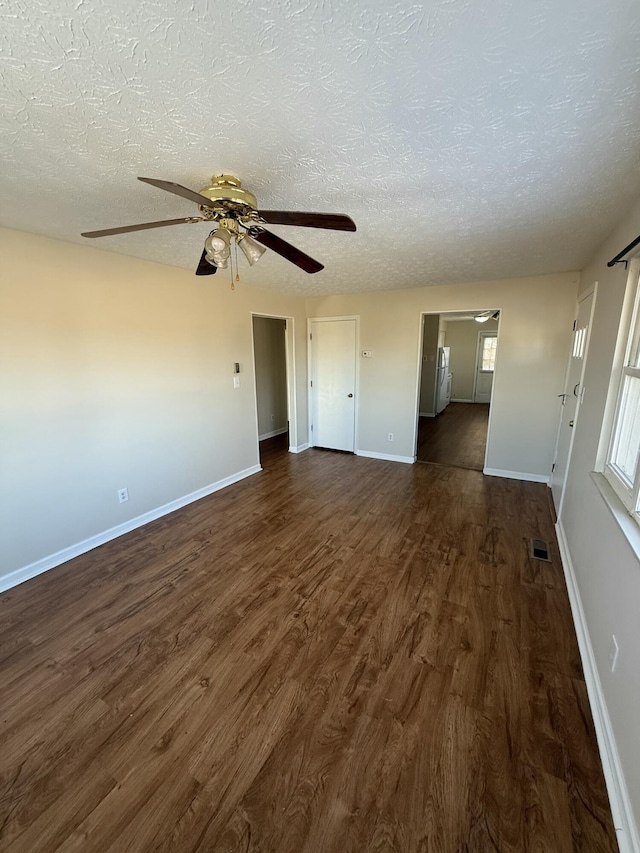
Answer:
(458, 436)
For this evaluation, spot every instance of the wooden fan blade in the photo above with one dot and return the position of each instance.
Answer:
(277, 244)
(142, 226)
(334, 221)
(178, 189)
(204, 267)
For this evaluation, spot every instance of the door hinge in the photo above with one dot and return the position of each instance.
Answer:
(311, 336)
(311, 383)
(311, 427)
(553, 467)
(575, 323)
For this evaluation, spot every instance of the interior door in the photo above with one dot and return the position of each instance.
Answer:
(572, 398)
(333, 383)
(485, 364)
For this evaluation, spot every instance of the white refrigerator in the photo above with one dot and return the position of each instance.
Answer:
(443, 380)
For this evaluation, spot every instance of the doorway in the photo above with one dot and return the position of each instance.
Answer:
(572, 397)
(457, 366)
(273, 360)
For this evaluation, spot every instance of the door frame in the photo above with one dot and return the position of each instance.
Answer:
(290, 366)
(592, 291)
(484, 334)
(419, 372)
(311, 320)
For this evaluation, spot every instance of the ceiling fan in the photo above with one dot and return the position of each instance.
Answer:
(234, 209)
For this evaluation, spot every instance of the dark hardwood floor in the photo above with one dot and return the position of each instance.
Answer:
(337, 655)
(458, 436)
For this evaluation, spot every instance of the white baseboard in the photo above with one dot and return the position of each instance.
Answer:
(387, 457)
(273, 433)
(300, 448)
(516, 475)
(621, 809)
(31, 571)
(461, 400)
(427, 414)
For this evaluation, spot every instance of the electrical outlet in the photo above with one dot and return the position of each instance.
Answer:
(273, 417)
(390, 436)
(613, 653)
(123, 495)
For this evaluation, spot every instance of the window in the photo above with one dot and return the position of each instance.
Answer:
(488, 355)
(622, 468)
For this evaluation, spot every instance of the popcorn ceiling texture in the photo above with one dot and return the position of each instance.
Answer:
(468, 140)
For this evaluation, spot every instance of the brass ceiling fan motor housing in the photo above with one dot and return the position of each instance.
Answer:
(226, 194)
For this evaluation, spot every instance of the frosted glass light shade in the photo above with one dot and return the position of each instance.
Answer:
(217, 245)
(252, 250)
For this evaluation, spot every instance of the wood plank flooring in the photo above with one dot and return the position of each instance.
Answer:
(337, 655)
(457, 436)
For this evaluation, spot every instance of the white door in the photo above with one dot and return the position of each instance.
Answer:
(572, 398)
(333, 383)
(485, 365)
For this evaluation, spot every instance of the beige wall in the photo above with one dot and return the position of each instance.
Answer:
(430, 333)
(535, 331)
(607, 570)
(117, 372)
(462, 337)
(271, 374)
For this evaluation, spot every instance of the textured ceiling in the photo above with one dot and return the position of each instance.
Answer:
(468, 140)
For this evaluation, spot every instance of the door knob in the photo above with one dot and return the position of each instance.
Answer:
(349, 395)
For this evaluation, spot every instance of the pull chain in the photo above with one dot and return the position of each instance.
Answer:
(233, 287)
(235, 248)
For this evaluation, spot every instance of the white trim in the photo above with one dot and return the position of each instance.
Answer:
(462, 400)
(387, 457)
(300, 448)
(622, 812)
(273, 433)
(516, 475)
(420, 368)
(31, 571)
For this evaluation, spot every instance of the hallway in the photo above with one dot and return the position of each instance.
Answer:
(456, 437)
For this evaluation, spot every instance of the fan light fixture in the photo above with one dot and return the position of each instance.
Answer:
(218, 248)
(252, 250)
(225, 202)
(487, 315)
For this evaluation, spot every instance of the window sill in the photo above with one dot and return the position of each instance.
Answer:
(627, 525)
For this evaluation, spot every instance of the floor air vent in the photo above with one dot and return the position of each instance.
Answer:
(540, 550)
